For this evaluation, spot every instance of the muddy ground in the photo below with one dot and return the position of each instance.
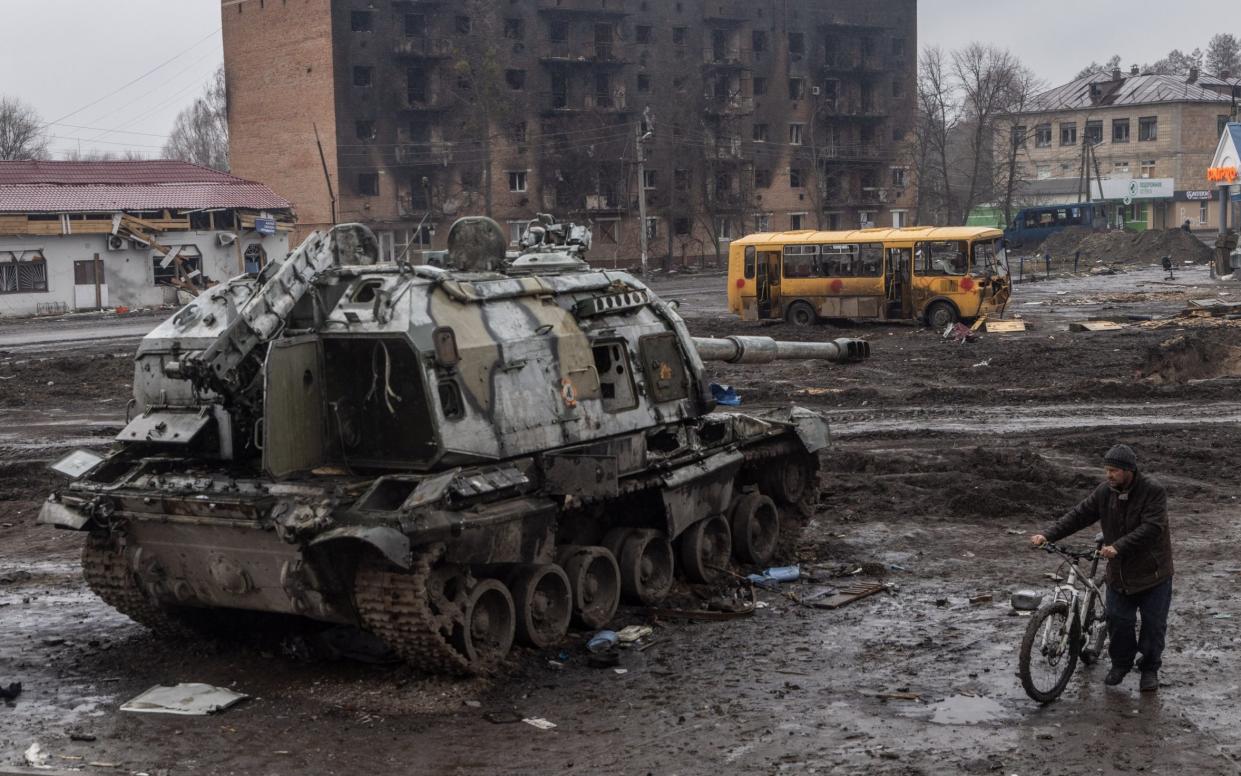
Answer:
(945, 455)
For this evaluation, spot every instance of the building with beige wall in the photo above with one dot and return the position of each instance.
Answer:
(767, 115)
(1160, 130)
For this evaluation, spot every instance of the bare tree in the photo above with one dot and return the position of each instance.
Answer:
(22, 133)
(1009, 177)
(985, 76)
(200, 132)
(1094, 67)
(95, 155)
(938, 118)
(1176, 63)
(1224, 55)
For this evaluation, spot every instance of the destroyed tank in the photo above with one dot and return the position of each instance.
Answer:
(452, 458)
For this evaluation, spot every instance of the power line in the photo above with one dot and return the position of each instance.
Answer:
(140, 98)
(128, 84)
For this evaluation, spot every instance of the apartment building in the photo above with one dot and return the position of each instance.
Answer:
(760, 115)
(1152, 138)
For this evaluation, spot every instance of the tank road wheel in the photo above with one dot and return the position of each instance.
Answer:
(107, 573)
(647, 565)
(490, 622)
(705, 548)
(544, 601)
(788, 480)
(801, 314)
(756, 528)
(595, 580)
(940, 316)
(440, 620)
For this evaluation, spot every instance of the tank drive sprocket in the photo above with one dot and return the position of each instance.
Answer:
(440, 619)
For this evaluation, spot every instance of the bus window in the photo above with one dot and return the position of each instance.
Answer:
(799, 261)
(839, 260)
(871, 260)
(749, 262)
(1046, 218)
(944, 257)
(989, 258)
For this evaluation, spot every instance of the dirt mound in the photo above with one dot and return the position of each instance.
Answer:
(1191, 356)
(976, 483)
(1123, 247)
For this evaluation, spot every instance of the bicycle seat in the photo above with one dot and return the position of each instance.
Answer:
(1098, 540)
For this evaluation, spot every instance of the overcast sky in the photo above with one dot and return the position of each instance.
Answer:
(63, 55)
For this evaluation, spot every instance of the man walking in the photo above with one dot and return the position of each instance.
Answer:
(1132, 509)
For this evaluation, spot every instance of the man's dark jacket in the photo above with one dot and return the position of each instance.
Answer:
(1135, 523)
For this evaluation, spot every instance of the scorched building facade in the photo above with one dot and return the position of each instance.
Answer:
(762, 115)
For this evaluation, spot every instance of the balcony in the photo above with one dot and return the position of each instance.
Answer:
(602, 102)
(422, 48)
(586, 7)
(417, 154)
(424, 100)
(729, 106)
(591, 54)
(724, 58)
(850, 153)
(854, 62)
(603, 203)
(726, 11)
(852, 108)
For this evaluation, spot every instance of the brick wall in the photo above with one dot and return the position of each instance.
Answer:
(278, 64)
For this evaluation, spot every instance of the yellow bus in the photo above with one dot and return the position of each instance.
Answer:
(936, 274)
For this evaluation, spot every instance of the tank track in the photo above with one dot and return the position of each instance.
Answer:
(107, 573)
(396, 607)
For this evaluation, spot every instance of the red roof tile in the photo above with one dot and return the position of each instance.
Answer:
(27, 187)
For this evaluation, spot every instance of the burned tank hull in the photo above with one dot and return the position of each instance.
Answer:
(452, 459)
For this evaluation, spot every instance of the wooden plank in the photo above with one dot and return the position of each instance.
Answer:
(1005, 327)
(847, 595)
(1095, 326)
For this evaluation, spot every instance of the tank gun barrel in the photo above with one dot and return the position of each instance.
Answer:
(764, 350)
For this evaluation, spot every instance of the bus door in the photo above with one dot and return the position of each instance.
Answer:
(767, 282)
(896, 283)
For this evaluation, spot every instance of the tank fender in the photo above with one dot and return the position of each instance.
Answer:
(391, 543)
(57, 514)
(810, 426)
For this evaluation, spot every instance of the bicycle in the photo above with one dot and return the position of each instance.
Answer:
(1070, 626)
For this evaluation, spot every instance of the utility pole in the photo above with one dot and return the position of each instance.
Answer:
(642, 139)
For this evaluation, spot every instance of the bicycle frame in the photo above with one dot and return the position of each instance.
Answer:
(1084, 598)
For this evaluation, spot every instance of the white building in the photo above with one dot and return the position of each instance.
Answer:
(87, 235)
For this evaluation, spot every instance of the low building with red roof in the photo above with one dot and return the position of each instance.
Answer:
(87, 235)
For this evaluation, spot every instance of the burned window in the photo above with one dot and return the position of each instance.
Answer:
(224, 219)
(25, 272)
(362, 75)
(762, 178)
(758, 41)
(797, 43)
(615, 377)
(680, 226)
(200, 221)
(518, 132)
(680, 180)
(516, 79)
(759, 86)
(184, 261)
(462, 24)
(664, 368)
(365, 130)
(797, 177)
(415, 25)
(514, 29)
(680, 35)
(559, 31)
(644, 83)
(416, 85)
(643, 33)
(797, 88)
(368, 184)
(761, 133)
(361, 21)
(471, 178)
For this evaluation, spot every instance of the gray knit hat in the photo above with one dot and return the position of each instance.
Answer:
(1121, 457)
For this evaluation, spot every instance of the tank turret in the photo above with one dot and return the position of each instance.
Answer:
(452, 458)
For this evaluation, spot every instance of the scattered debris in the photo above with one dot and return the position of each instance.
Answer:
(848, 594)
(725, 395)
(772, 577)
(608, 659)
(899, 696)
(983, 363)
(187, 699)
(1005, 327)
(1095, 326)
(602, 641)
(539, 723)
(701, 614)
(502, 717)
(983, 598)
(10, 691)
(632, 633)
(959, 333)
(35, 756)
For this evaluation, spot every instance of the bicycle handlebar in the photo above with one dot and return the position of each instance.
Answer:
(1068, 553)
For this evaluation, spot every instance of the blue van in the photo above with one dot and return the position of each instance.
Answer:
(1032, 225)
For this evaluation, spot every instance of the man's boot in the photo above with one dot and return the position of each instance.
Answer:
(1115, 676)
(1150, 680)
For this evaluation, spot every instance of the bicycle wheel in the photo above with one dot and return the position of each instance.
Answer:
(1049, 652)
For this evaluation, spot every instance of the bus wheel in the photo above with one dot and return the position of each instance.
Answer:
(801, 314)
(940, 316)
